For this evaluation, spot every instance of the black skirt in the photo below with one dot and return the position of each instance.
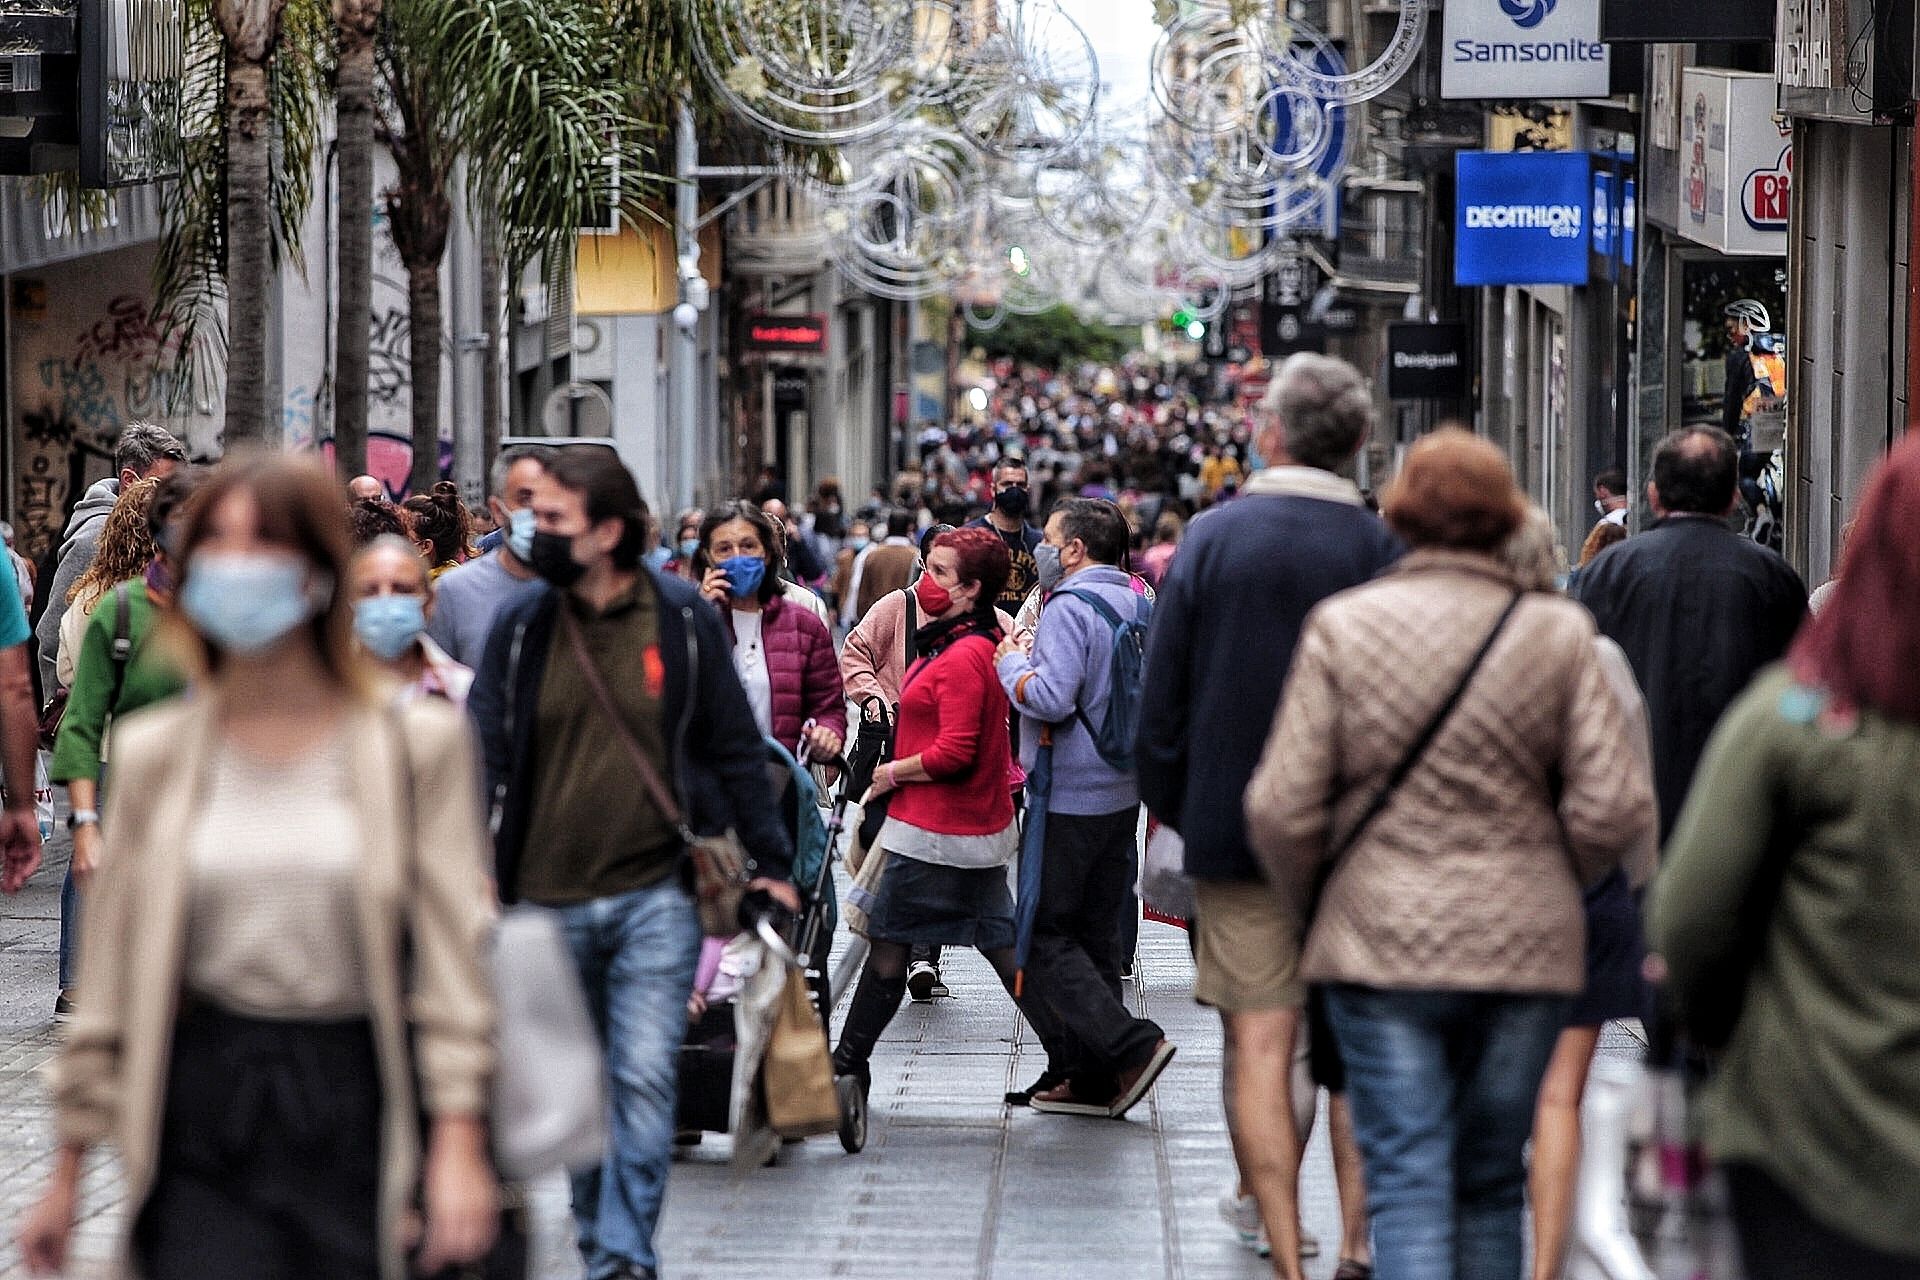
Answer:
(269, 1161)
(1616, 951)
(924, 902)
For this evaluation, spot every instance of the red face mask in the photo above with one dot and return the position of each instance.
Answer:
(934, 599)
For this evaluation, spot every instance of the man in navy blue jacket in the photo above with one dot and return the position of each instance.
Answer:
(1224, 630)
(576, 828)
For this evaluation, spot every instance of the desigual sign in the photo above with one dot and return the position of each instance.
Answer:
(1522, 49)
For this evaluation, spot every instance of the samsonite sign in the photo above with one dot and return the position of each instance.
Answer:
(1522, 49)
(1736, 163)
(1521, 217)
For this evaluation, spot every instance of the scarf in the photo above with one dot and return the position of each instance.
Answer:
(936, 637)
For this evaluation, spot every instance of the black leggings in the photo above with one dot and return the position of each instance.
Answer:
(883, 984)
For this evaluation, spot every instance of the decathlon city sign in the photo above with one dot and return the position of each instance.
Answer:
(1521, 217)
(1522, 49)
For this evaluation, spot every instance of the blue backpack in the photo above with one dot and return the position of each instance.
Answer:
(1115, 736)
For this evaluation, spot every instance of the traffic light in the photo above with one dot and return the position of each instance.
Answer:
(1184, 321)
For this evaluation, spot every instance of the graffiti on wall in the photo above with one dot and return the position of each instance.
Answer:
(390, 460)
(75, 388)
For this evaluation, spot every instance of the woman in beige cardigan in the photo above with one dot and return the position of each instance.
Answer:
(1448, 936)
(285, 935)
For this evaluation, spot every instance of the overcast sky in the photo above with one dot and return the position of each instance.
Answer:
(1123, 35)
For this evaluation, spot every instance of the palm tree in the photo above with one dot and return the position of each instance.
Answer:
(537, 97)
(356, 23)
(254, 70)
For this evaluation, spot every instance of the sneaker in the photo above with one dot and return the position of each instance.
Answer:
(1242, 1214)
(1135, 1084)
(1061, 1100)
(1048, 1080)
(922, 978)
(939, 990)
(63, 1008)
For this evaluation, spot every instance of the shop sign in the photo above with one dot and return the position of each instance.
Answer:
(1833, 63)
(1285, 328)
(1521, 218)
(1628, 216)
(786, 333)
(1664, 71)
(1812, 52)
(1665, 22)
(1428, 361)
(1603, 237)
(1523, 49)
(1737, 163)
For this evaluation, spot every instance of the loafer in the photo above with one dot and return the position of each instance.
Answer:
(1062, 1100)
(1135, 1084)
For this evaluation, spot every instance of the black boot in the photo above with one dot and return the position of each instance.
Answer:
(875, 1001)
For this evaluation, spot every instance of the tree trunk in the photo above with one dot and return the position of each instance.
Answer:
(423, 350)
(492, 324)
(353, 320)
(249, 258)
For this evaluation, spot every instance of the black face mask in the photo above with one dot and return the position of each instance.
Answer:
(1011, 501)
(551, 557)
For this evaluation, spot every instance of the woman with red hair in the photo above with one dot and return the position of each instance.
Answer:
(950, 829)
(1785, 915)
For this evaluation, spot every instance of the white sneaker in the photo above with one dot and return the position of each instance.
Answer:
(1242, 1213)
(922, 978)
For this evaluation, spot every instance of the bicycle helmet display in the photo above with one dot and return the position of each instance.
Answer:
(1750, 313)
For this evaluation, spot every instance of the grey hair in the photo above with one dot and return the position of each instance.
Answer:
(1532, 552)
(503, 463)
(394, 542)
(1325, 408)
(143, 443)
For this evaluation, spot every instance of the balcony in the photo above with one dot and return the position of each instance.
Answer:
(776, 231)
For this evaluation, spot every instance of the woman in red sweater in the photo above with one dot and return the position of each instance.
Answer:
(950, 832)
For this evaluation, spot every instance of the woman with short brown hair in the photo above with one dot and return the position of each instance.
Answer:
(1447, 770)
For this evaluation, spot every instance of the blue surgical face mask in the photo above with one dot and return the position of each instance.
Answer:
(859, 544)
(689, 548)
(744, 574)
(1046, 558)
(520, 534)
(245, 602)
(658, 557)
(389, 625)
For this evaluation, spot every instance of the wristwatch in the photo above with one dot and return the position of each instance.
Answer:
(83, 817)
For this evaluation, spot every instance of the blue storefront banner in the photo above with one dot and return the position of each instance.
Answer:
(1522, 217)
(1603, 213)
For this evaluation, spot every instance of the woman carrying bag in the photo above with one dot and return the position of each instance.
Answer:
(1785, 913)
(284, 950)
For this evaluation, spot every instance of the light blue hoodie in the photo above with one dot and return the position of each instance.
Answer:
(1072, 666)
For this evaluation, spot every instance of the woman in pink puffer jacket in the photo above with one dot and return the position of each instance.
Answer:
(781, 650)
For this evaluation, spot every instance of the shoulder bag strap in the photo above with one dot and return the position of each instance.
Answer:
(907, 642)
(649, 776)
(122, 650)
(1418, 747)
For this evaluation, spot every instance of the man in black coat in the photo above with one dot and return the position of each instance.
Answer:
(1223, 634)
(1698, 608)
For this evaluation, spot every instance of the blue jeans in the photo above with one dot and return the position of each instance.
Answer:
(1443, 1086)
(637, 953)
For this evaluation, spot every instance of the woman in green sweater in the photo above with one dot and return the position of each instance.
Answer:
(1786, 911)
(108, 684)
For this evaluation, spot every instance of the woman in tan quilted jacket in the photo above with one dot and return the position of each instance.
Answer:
(1449, 936)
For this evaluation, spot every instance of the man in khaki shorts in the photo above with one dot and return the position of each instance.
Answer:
(1228, 617)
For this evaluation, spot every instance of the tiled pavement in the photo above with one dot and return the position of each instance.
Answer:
(951, 1184)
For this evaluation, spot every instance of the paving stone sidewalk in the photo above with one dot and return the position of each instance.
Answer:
(952, 1183)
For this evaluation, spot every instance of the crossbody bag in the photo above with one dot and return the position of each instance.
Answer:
(719, 863)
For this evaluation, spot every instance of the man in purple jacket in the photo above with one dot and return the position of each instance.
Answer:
(1101, 1060)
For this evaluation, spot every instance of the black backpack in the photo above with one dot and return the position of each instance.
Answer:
(1117, 732)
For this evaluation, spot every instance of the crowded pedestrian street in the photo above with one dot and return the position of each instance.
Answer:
(959, 639)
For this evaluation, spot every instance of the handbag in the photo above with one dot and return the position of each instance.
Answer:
(1324, 1052)
(719, 863)
(864, 892)
(797, 1073)
(1164, 885)
(549, 1089)
(510, 1255)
